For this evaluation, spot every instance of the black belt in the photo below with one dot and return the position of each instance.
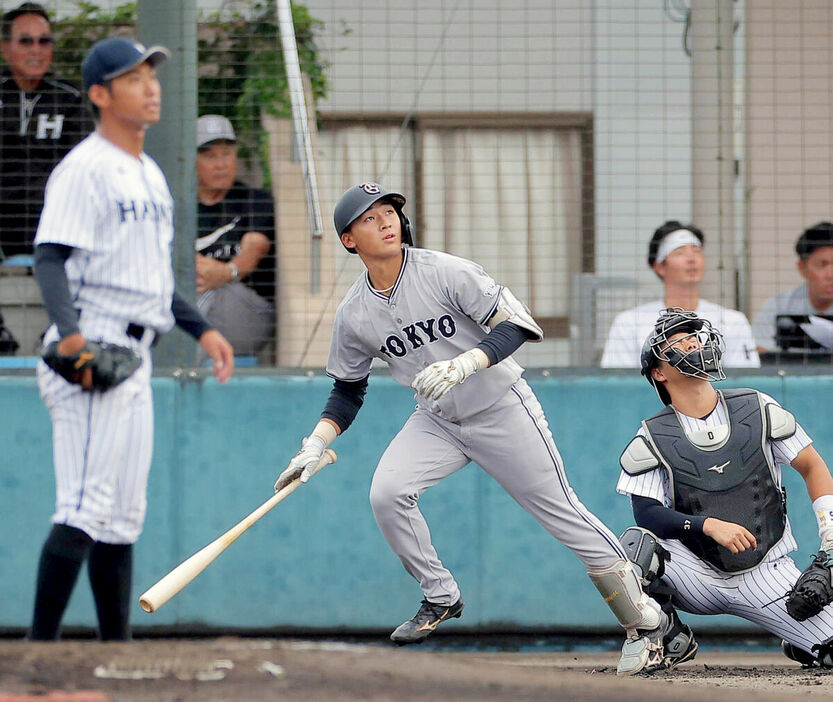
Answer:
(137, 331)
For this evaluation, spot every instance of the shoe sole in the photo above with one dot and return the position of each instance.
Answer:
(428, 632)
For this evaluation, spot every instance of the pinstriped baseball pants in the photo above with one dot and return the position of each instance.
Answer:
(102, 448)
(757, 595)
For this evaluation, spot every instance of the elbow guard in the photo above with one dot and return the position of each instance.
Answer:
(511, 309)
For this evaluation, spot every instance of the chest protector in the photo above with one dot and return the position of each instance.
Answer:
(726, 475)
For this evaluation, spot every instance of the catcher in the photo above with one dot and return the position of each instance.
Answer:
(704, 479)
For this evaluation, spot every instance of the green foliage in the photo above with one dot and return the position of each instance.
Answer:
(77, 32)
(239, 57)
(242, 70)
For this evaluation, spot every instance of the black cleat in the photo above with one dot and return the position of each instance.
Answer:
(799, 655)
(680, 645)
(425, 621)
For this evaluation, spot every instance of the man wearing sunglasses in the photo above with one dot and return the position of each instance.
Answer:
(41, 118)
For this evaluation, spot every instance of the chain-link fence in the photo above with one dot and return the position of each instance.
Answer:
(546, 140)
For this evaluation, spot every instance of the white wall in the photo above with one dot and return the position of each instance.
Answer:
(622, 61)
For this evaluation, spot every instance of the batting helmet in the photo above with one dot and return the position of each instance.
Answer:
(701, 362)
(361, 198)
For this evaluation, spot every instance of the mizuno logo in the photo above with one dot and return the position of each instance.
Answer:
(83, 358)
(719, 469)
(431, 626)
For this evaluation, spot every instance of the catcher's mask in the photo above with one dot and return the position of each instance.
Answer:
(702, 361)
(360, 198)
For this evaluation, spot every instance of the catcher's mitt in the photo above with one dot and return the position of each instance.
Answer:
(813, 590)
(110, 364)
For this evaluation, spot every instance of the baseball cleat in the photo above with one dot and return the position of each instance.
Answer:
(799, 655)
(425, 621)
(643, 651)
(679, 646)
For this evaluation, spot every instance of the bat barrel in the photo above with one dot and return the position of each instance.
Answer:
(157, 595)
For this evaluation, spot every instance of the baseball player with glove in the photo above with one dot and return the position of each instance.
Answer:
(704, 479)
(103, 263)
(447, 329)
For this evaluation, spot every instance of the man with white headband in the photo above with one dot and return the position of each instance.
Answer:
(675, 253)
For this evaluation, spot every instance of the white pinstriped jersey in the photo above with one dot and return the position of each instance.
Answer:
(437, 309)
(116, 212)
(655, 485)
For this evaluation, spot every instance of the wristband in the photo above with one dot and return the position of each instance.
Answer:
(823, 509)
(324, 431)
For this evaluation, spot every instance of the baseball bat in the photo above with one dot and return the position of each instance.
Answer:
(170, 584)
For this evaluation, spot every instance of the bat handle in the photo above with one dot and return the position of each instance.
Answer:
(329, 456)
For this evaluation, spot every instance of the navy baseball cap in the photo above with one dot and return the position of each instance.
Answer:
(111, 58)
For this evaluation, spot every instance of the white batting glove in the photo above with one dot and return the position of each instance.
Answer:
(302, 464)
(437, 379)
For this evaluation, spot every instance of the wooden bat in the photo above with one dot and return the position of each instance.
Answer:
(170, 584)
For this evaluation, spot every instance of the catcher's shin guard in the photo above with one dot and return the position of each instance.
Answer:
(646, 555)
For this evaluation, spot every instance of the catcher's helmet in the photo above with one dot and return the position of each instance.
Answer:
(701, 362)
(361, 198)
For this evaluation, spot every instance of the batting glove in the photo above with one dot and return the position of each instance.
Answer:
(437, 379)
(302, 465)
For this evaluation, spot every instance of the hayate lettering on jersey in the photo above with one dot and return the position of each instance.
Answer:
(144, 210)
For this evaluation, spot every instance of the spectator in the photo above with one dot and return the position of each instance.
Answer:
(815, 296)
(236, 223)
(675, 253)
(41, 118)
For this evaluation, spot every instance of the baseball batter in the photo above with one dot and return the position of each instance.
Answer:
(447, 329)
(103, 262)
(704, 480)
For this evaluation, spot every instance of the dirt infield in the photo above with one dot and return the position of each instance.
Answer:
(231, 669)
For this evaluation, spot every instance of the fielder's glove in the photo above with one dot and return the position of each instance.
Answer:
(110, 364)
(302, 464)
(813, 590)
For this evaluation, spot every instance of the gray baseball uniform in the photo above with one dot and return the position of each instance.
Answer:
(438, 309)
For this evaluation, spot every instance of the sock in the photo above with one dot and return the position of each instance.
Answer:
(61, 557)
(111, 575)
